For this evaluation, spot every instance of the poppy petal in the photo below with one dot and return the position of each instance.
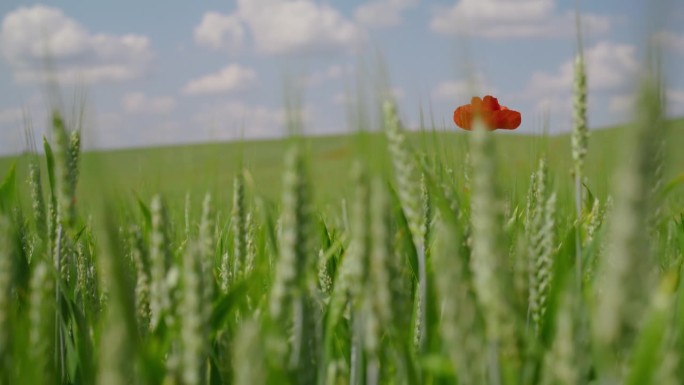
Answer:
(490, 103)
(475, 101)
(507, 119)
(463, 116)
(493, 115)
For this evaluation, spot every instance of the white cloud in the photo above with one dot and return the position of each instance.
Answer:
(231, 78)
(28, 34)
(609, 66)
(11, 115)
(397, 93)
(289, 27)
(512, 19)
(670, 41)
(621, 104)
(139, 103)
(217, 31)
(235, 119)
(611, 70)
(462, 89)
(333, 72)
(626, 103)
(347, 98)
(382, 13)
(675, 102)
(11, 142)
(342, 98)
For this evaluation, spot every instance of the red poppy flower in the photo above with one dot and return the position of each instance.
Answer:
(494, 115)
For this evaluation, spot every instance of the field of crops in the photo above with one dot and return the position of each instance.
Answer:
(392, 257)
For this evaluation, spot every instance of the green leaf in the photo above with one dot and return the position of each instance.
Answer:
(50, 162)
(647, 351)
(147, 216)
(227, 303)
(436, 364)
(589, 201)
(269, 224)
(563, 270)
(404, 240)
(8, 189)
(672, 184)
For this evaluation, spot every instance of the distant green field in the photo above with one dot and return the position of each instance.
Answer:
(199, 168)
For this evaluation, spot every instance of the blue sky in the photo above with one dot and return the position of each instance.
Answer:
(176, 71)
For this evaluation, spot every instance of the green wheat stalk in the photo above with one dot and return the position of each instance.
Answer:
(487, 260)
(290, 298)
(193, 316)
(542, 243)
(413, 204)
(580, 142)
(160, 300)
(5, 299)
(41, 322)
(461, 314)
(239, 224)
(627, 271)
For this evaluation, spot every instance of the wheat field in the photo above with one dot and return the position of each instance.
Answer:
(392, 257)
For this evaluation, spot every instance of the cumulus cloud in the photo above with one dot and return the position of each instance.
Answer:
(512, 19)
(670, 41)
(30, 34)
(382, 13)
(334, 72)
(611, 70)
(234, 119)
(626, 103)
(140, 103)
(675, 102)
(347, 98)
(462, 89)
(11, 115)
(609, 66)
(217, 31)
(11, 141)
(285, 27)
(230, 79)
(621, 104)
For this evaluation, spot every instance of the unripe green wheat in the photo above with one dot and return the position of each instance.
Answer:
(117, 345)
(73, 164)
(41, 322)
(382, 269)
(160, 300)
(251, 247)
(541, 240)
(354, 269)
(238, 221)
(580, 142)
(461, 316)
(627, 270)
(206, 252)
(142, 282)
(186, 215)
(37, 201)
(580, 131)
(295, 248)
(413, 204)
(291, 301)
(193, 317)
(565, 363)
(63, 172)
(488, 262)
(249, 356)
(5, 299)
